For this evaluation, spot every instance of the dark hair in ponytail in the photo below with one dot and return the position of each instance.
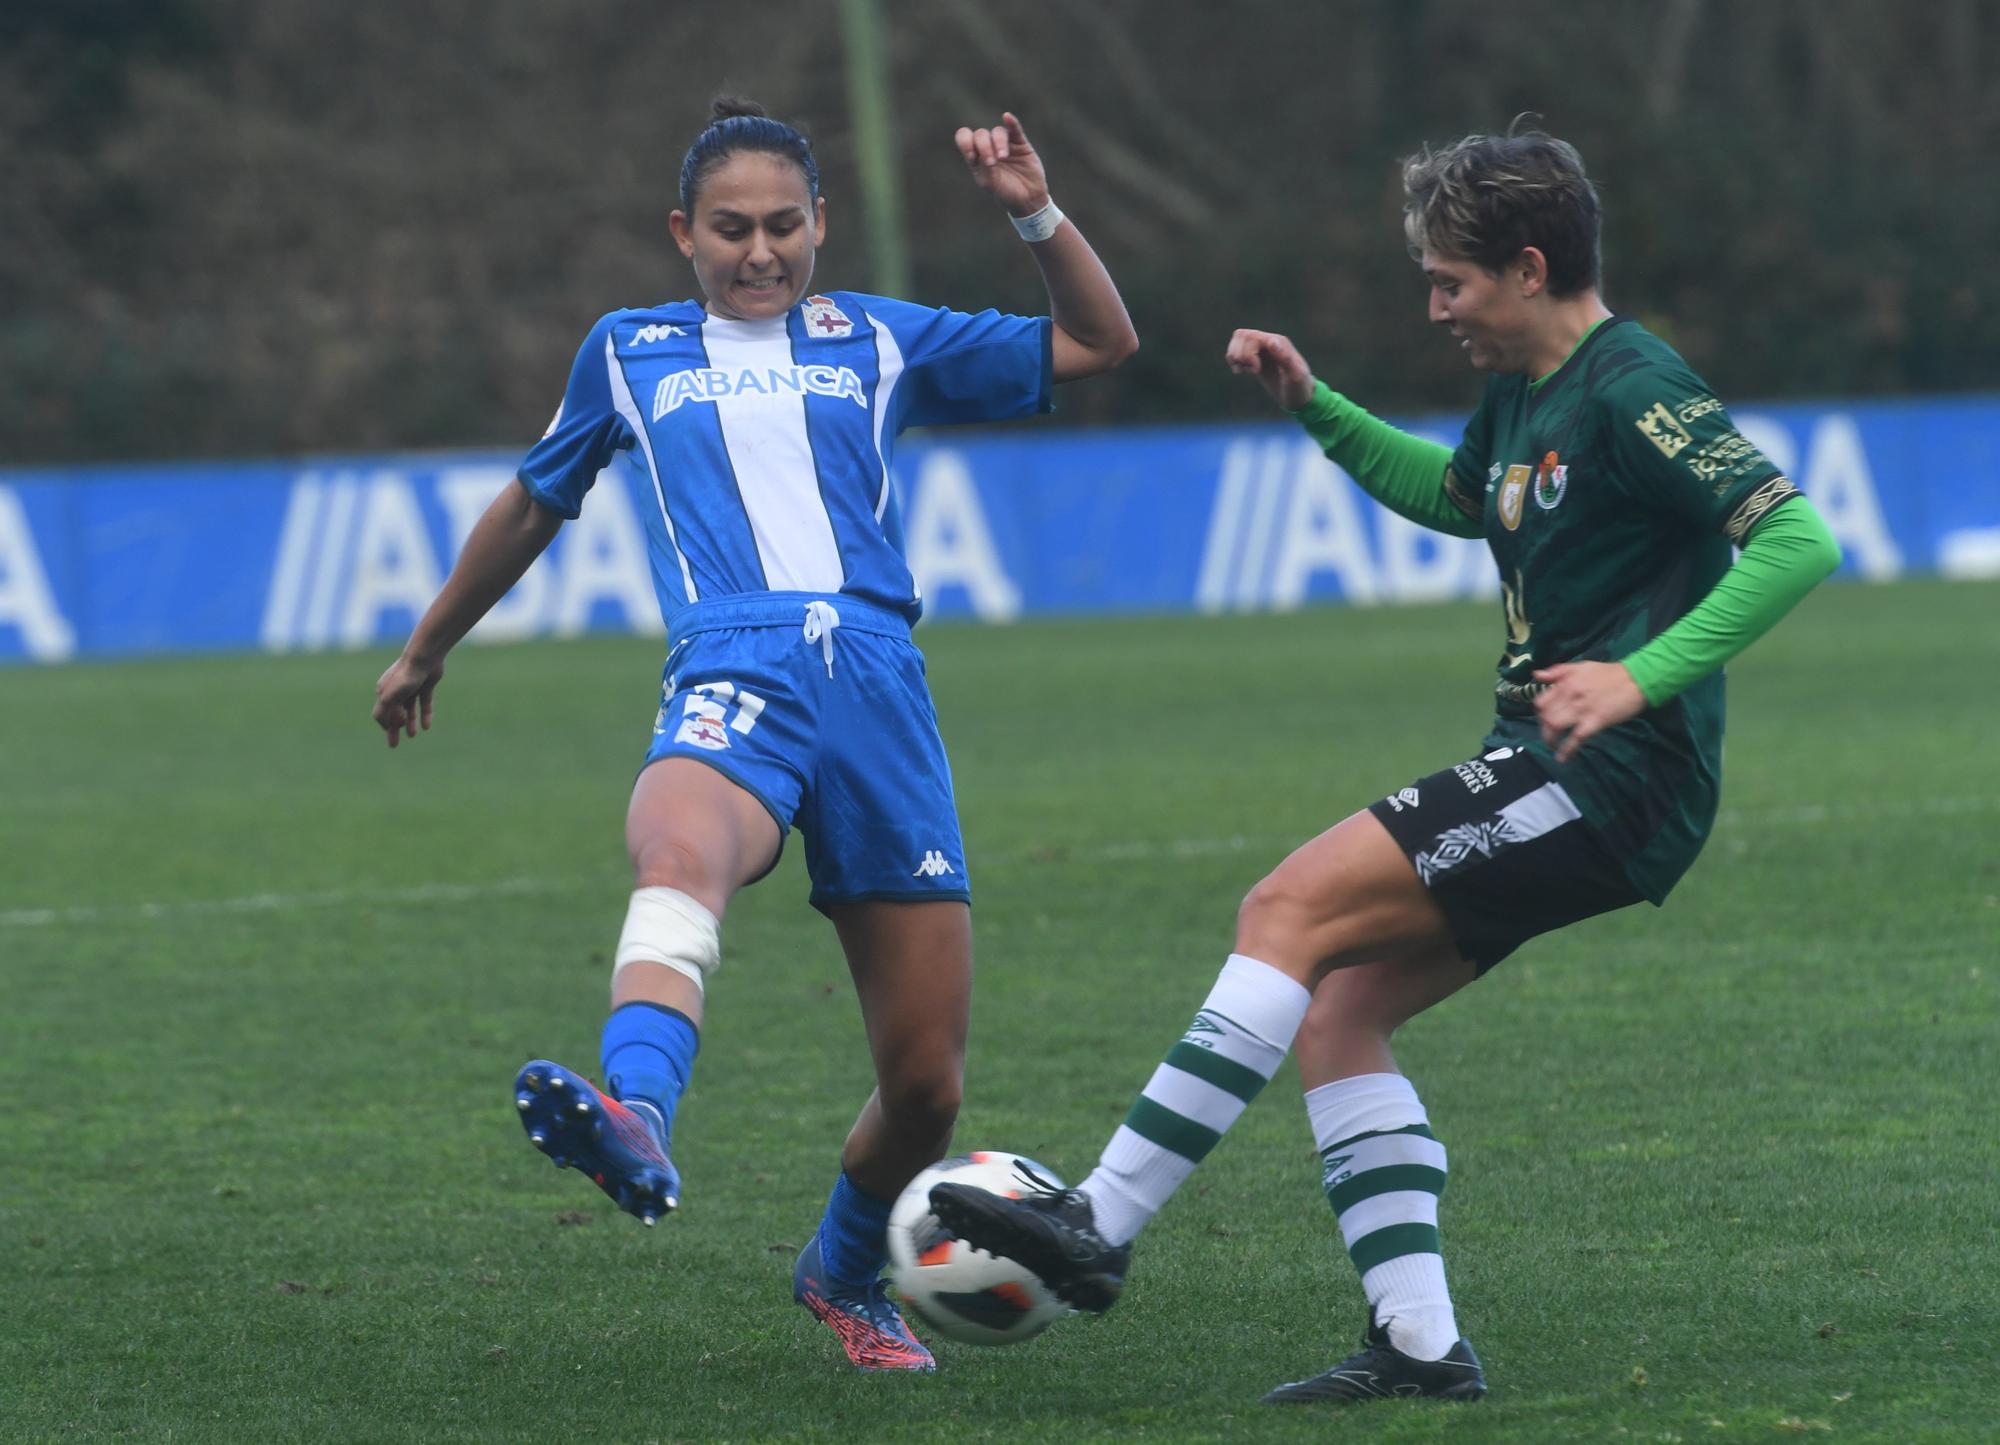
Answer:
(741, 125)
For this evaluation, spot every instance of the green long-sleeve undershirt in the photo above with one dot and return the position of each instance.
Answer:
(1402, 472)
(1785, 556)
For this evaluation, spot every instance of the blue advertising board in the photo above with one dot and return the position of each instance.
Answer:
(1026, 522)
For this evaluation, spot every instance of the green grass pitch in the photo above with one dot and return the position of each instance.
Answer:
(1724, 1171)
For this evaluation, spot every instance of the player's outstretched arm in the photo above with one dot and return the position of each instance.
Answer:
(1275, 362)
(1407, 474)
(1093, 333)
(509, 536)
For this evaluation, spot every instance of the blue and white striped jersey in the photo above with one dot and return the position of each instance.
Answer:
(765, 445)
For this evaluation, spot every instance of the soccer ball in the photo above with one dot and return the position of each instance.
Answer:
(962, 1292)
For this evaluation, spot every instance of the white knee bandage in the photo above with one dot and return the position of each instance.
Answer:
(667, 927)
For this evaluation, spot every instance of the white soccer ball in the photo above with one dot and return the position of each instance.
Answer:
(962, 1292)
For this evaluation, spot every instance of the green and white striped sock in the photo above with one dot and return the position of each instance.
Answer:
(1227, 1055)
(1383, 1172)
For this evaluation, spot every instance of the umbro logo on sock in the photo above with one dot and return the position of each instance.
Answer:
(933, 865)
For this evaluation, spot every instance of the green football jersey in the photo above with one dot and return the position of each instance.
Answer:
(1611, 491)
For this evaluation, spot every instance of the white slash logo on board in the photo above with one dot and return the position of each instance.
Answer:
(933, 865)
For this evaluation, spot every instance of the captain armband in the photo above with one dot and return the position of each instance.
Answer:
(1756, 507)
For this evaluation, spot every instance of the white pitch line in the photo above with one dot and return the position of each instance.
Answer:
(1140, 851)
(275, 902)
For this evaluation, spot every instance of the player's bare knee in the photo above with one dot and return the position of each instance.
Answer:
(1278, 922)
(671, 860)
(922, 1103)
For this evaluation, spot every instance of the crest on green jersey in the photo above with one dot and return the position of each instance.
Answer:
(1551, 481)
(1513, 491)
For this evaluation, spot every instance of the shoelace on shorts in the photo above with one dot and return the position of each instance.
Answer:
(821, 619)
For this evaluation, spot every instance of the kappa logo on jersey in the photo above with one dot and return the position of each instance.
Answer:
(1513, 491)
(1664, 430)
(702, 731)
(823, 318)
(711, 384)
(1551, 481)
(646, 335)
(933, 866)
(1402, 798)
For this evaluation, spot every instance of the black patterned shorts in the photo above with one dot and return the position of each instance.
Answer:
(1504, 851)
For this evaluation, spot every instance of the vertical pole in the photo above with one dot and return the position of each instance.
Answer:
(868, 80)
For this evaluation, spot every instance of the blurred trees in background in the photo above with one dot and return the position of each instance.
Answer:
(248, 227)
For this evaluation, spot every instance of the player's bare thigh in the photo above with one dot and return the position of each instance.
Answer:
(689, 828)
(1347, 897)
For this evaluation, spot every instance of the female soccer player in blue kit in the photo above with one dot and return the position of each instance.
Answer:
(761, 421)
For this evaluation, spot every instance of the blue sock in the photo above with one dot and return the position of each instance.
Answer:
(648, 1054)
(854, 1234)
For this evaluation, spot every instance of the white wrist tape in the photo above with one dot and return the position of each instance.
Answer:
(1041, 225)
(667, 927)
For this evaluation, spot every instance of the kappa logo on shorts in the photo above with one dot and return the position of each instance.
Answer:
(933, 866)
(703, 732)
(1402, 798)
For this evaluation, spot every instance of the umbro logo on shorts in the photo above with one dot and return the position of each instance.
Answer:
(933, 866)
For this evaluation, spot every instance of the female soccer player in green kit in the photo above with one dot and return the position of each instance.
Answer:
(1610, 485)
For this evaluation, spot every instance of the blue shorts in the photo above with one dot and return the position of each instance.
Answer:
(830, 727)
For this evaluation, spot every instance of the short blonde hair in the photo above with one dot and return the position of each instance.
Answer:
(1486, 198)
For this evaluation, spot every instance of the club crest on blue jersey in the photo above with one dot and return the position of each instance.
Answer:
(824, 318)
(708, 383)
